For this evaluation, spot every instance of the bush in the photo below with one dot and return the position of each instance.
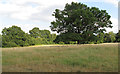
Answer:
(72, 42)
(26, 44)
(98, 42)
(91, 42)
(61, 42)
(10, 44)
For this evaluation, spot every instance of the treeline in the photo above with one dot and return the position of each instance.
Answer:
(15, 37)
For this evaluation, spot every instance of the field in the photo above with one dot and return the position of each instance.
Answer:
(61, 58)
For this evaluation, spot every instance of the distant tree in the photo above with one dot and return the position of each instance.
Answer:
(118, 37)
(47, 37)
(45, 34)
(42, 36)
(106, 38)
(29, 40)
(52, 38)
(100, 37)
(0, 40)
(109, 37)
(112, 36)
(78, 19)
(14, 36)
(35, 32)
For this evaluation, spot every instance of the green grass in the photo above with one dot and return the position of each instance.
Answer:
(68, 58)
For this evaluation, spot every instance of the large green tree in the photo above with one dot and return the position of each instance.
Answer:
(81, 20)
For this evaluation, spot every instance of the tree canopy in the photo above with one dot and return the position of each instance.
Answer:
(118, 36)
(13, 36)
(80, 20)
(0, 40)
(42, 36)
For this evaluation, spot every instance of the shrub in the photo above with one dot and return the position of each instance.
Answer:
(97, 42)
(72, 42)
(91, 42)
(10, 44)
(61, 42)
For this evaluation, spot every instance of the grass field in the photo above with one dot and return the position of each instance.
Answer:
(67, 58)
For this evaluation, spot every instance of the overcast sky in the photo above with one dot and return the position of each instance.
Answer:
(28, 14)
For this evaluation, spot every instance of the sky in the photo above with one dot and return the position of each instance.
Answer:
(28, 14)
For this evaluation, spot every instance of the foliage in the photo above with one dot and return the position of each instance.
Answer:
(29, 40)
(72, 42)
(77, 18)
(35, 32)
(42, 36)
(0, 40)
(91, 42)
(118, 37)
(109, 37)
(61, 42)
(100, 38)
(112, 36)
(14, 36)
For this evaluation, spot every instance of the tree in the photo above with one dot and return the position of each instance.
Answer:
(118, 36)
(106, 38)
(66, 37)
(78, 19)
(29, 40)
(52, 38)
(100, 37)
(42, 36)
(112, 36)
(35, 32)
(45, 34)
(0, 40)
(109, 37)
(14, 36)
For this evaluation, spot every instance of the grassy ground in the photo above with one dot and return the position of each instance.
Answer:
(68, 58)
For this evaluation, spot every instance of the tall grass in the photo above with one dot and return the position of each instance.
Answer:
(68, 58)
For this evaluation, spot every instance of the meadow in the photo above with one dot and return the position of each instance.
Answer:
(61, 58)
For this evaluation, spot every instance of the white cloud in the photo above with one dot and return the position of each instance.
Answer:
(36, 10)
(114, 24)
(27, 9)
